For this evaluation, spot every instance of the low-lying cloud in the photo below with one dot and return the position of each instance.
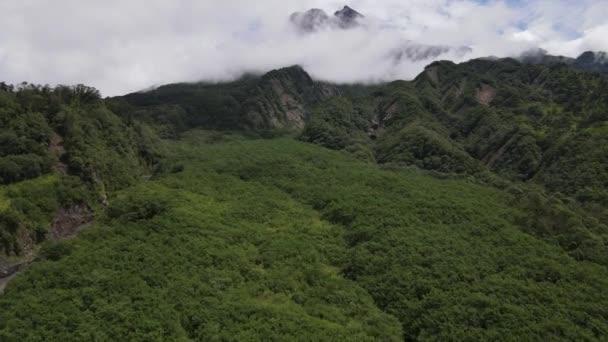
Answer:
(124, 46)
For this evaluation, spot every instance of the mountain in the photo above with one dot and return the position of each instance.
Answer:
(502, 116)
(495, 120)
(413, 52)
(63, 152)
(595, 62)
(348, 17)
(466, 204)
(311, 21)
(316, 19)
(276, 100)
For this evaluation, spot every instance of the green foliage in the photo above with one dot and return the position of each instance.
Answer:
(514, 119)
(336, 124)
(54, 250)
(68, 131)
(275, 239)
(252, 102)
(563, 222)
(419, 146)
(430, 251)
(224, 259)
(16, 168)
(135, 207)
(250, 235)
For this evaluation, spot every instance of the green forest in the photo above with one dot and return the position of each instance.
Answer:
(466, 205)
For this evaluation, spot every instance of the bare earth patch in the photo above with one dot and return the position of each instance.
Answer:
(485, 94)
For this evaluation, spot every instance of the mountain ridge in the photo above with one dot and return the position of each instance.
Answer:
(278, 206)
(289, 99)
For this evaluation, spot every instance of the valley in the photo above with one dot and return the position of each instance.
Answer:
(467, 204)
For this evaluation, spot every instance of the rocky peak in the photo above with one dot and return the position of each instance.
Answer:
(311, 20)
(316, 19)
(348, 17)
(591, 57)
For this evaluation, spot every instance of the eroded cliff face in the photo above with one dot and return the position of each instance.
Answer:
(282, 99)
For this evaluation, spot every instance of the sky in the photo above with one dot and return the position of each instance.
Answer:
(122, 46)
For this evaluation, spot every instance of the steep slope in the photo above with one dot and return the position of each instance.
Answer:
(277, 100)
(61, 152)
(521, 121)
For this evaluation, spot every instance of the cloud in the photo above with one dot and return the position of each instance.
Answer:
(124, 46)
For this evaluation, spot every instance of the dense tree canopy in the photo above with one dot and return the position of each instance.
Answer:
(466, 205)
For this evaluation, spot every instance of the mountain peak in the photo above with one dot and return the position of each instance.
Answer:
(592, 57)
(348, 17)
(348, 13)
(316, 19)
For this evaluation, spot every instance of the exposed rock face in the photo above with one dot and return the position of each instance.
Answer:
(420, 52)
(348, 17)
(279, 99)
(10, 270)
(485, 94)
(58, 150)
(68, 221)
(316, 19)
(282, 97)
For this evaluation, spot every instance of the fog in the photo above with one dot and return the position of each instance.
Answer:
(125, 46)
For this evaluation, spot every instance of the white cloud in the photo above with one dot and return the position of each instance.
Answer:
(122, 46)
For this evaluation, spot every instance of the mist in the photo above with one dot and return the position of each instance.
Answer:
(125, 46)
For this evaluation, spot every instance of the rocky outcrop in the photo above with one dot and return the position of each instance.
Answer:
(279, 99)
(282, 99)
(7, 271)
(485, 94)
(348, 17)
(57, 149)
(316, 19)
(68, 221)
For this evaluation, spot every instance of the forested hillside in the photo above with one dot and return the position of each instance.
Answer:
(467, 204)
(62, 150)
(275, 239)
(521, 121)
